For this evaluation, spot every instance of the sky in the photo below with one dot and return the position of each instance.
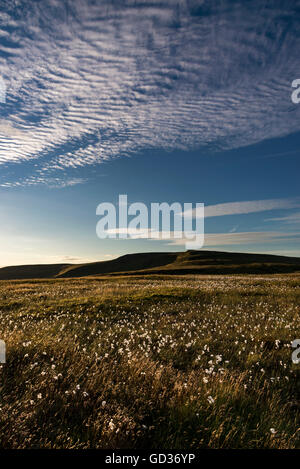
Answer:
(165, 101)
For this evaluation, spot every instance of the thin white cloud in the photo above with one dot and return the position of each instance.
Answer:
(224, 239)
(244, 238)
(210, 239)
(246, 207)
(51, 182)
(293, 218)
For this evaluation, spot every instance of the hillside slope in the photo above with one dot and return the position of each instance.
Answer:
(180, 263)
(31, 271)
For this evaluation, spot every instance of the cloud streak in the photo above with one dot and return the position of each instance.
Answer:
(246, 207)
(210, 239)
(293, 218)
(244, 238)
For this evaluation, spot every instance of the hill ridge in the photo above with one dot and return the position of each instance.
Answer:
(168, 263)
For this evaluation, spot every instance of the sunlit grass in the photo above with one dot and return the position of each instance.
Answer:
(168, 362)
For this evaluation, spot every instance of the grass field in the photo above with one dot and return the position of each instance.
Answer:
(150, 362)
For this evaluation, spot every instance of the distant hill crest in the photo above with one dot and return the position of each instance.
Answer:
(167, 263)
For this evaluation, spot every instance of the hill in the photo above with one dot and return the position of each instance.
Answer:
(170, 263)
(31, 271)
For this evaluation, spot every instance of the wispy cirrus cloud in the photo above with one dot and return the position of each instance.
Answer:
(216, 240)
(88, 81)
(249, 238)
(292, 218)
(246, 207)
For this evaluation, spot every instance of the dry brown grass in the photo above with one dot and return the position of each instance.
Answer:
(154, 363)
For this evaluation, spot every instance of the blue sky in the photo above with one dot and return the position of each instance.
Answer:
(186, 101)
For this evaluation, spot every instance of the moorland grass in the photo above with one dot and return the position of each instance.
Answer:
(159, 362)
